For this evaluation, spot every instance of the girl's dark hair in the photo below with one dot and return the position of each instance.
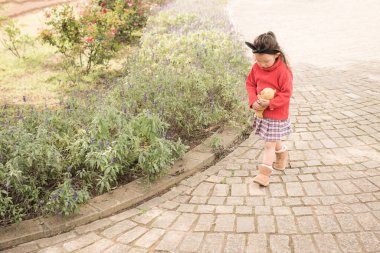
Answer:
(268, 41)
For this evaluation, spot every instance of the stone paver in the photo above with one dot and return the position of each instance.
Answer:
(191, 242)
(328, 201)
(279, 244)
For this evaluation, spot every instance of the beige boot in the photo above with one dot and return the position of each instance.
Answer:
(281, 158)
(264, 173)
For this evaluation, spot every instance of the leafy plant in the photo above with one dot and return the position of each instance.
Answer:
(193, 86)
(12, 39)
(9, 212)
(131, 16)
(216, 143)
(92, 37)
(66, 199)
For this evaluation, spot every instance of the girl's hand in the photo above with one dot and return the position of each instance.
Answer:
(263, 102)
(256, 106)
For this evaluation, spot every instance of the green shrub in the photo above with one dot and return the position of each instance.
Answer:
(12, 39)
(130, 16)
(92, 38)
(52, 160)
(188, 71)
(116, 144)
(65, 199)
(28, 162)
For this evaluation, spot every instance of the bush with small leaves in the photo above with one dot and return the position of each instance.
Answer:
(12, 39)
(92, 36)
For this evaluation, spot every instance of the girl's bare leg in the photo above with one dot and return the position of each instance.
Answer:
(269, 152)
(265, 169)
(278, 145)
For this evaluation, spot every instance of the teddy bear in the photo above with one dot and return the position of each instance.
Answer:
(268, 94)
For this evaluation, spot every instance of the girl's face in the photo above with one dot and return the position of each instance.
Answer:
(265, 60)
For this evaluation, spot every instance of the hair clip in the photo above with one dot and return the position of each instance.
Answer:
(250, 45)
(261, 51)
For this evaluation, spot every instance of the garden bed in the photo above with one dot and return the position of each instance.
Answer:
(184, 81)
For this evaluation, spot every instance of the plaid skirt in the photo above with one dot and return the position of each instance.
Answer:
(271, 129)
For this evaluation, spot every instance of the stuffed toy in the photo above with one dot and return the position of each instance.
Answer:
(267, 94)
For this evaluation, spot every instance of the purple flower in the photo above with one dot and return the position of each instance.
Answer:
(167, 135)
(145, 97)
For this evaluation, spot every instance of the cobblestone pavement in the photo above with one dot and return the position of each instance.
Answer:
(324, 33)
(328, 201)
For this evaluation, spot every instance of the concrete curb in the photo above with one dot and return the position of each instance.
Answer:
(119, 199)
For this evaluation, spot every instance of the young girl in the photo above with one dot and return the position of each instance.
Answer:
(270, 70)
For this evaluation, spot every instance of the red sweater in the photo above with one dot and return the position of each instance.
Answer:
(278, 77)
